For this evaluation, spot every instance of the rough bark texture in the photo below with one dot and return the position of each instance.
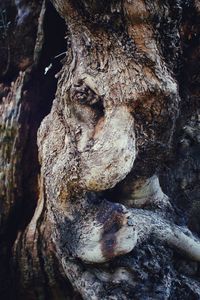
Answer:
(107, 206)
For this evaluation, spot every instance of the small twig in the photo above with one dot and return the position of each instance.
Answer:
(60, 54)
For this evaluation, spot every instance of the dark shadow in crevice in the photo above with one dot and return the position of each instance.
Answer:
(40, 92)
(42, 89)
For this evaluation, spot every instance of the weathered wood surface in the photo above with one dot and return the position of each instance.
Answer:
(117, 192)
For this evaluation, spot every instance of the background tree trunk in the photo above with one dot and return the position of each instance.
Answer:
(94, 216)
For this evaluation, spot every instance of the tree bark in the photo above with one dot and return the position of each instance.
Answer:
(99, 148)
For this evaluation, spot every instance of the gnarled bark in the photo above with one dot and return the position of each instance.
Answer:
(105, 199)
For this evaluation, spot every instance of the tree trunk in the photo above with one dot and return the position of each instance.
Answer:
(99, 164)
